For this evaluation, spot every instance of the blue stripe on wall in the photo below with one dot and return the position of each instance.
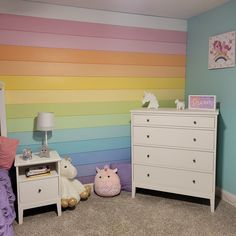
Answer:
(100, 156)
(32, 138)
(63, 148)
(86, 170)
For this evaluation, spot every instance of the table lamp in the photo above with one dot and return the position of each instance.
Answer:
(45, 122)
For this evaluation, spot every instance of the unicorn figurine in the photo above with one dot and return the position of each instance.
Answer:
(180, 105)
(151, 98)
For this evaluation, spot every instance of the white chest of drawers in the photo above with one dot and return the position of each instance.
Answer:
(174, 151)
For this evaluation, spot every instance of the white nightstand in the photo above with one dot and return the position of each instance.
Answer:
(38, 190)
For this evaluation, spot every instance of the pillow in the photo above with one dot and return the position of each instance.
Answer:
(124, 172)
(8, 148)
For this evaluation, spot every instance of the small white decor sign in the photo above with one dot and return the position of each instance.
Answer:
(222, 51)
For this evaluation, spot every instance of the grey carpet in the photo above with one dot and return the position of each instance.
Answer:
(146, 214)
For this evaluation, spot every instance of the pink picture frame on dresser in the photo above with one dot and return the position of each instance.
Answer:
(202, 102)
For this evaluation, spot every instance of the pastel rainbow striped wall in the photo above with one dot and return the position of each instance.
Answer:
(90, 75)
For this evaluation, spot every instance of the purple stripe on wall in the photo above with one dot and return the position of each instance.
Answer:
(90, 169)
(42, 25)
(86, 179)
(88, 43)
(100, 156)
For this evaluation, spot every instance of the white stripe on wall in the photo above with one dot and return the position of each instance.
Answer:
(26, 8)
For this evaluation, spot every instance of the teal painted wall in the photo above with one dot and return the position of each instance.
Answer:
(221, 82)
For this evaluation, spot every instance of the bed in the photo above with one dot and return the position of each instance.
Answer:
(7, 197)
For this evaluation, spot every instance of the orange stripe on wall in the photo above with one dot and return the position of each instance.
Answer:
(23, 53)
(72, 69)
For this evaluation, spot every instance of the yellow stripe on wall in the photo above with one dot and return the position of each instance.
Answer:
(89, 83)
(73, 69)
(75, 96)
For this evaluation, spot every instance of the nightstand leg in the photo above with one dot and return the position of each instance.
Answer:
(133, 191)
(59, 208)
(20, 215)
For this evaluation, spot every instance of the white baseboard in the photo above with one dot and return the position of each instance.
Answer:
(226, 196)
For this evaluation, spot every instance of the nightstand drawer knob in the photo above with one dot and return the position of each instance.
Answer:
(148, 175)
(148, 136)
(148, 120)
(194, 160)
(148, 155)
(194, 181)
(194, 139)
(39, 190)
(195, 122)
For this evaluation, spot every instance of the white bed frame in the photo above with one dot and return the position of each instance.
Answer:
(3, 123)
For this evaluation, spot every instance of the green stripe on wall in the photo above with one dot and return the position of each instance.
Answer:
(77, 109)
(71, 109)
(70, 122)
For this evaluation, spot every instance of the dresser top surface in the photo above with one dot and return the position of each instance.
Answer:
(175, 111)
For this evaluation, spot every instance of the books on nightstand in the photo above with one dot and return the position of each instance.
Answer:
(37, 171)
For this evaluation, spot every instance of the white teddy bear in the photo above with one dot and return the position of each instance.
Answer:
(72, 190)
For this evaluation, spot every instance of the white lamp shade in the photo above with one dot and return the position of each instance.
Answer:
(45, 121)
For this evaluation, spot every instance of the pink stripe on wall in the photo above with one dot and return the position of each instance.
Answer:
(88, 43)
(42, 25)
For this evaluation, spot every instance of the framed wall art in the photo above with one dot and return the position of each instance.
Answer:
(221, 51)
(202, 102)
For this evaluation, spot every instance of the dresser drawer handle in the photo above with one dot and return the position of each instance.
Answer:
(195, 122)
(148, 136)
(194, 160)
(148, 120)
(39, 190)
(148, 155)
(148, 175)
(194, 139)
(194, 181)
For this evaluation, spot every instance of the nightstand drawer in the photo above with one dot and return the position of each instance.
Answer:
(173, 158)
(38, 190)
(175, 179)
(170, 120)
(199, 139)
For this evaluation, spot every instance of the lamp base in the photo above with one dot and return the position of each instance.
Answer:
(44, 151)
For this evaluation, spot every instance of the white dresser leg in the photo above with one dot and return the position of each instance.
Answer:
(212, 202)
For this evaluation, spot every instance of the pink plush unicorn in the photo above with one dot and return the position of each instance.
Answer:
(107, 182)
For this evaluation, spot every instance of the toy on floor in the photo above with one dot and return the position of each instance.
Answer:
(180, 105)
(107, 182)
(151, 100)
(72, 190)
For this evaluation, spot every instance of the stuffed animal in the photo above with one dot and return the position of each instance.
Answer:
(107, 182)
(72, 190)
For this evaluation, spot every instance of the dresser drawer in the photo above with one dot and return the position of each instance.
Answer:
(174, 120)
(196, 139)
(173, 179)
(173, 158)
(38, 190)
